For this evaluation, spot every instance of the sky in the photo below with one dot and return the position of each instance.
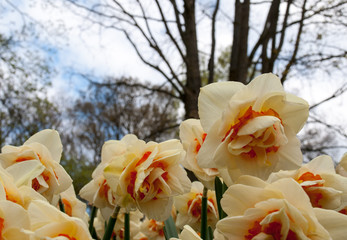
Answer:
(101, 52)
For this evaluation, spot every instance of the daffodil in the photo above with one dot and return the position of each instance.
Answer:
(341, 168)
(13, 220)
(36, 164)
(22, 195)
(151, 229)
(147, 175)
(188, 206)
(318, 178)
(47, 222)
(251, 129)
(192, 137)
(98, 193)
(188, 233)
(280, 210)
(73, 206)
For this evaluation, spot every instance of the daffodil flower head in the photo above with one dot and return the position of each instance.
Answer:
(147, 176)
(193, 136)
(37, 164)
(318, 178)
(280, 210)
(251, 129)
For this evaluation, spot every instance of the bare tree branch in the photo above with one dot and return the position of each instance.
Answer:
(168, 32)
(297, 43)
(337, 93)
(213, 44)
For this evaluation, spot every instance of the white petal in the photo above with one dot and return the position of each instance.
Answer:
(335, 223)
(213, 99)
(321, 164)
(49, 138)
(24, 172)
(256, 124)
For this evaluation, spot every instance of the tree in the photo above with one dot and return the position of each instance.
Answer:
(24, 106)
(168, 30)
(116, 107)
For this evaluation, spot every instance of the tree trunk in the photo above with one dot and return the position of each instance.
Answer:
(238, 60)
(193, 84)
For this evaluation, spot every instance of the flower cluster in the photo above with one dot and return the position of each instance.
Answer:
(32, 184)
(243, 150)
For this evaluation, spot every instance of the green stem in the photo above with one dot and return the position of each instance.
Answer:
(127, 226)
(91, 222)
(111, 222)
(170, 230)
(61, 205)
(203, 229)
(220, 188)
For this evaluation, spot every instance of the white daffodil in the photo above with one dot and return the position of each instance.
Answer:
(151, 230)
(22, 195)
(14, 221)
(98, 193)
(188, 206)
(73, 206)
(192, 137)
(280, 210)
(36, 164)
(251, 129)
(318, 178)
(341, 168)
(188, 233)
(47, 222)
(147, 176)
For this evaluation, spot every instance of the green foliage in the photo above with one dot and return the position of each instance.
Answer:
(79, 169)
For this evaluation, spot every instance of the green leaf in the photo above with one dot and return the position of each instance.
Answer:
(170, 229)
(220, 188)
(91, 222)
(209, 233)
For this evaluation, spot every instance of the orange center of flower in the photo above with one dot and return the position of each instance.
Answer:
(195, 209)
(155, 227)
(22, 159)
(343, 211)
(1, 226)
(131, 186)
(104, 188)
(120, 234)
(243, 120)
(10, 196)
(146, 185)
(133, 174)
(314, 196)
(35, 183)
(198, 144)
(144, 158)
(67, 236)
(194, 205)
(67, 207)
(273, 229)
